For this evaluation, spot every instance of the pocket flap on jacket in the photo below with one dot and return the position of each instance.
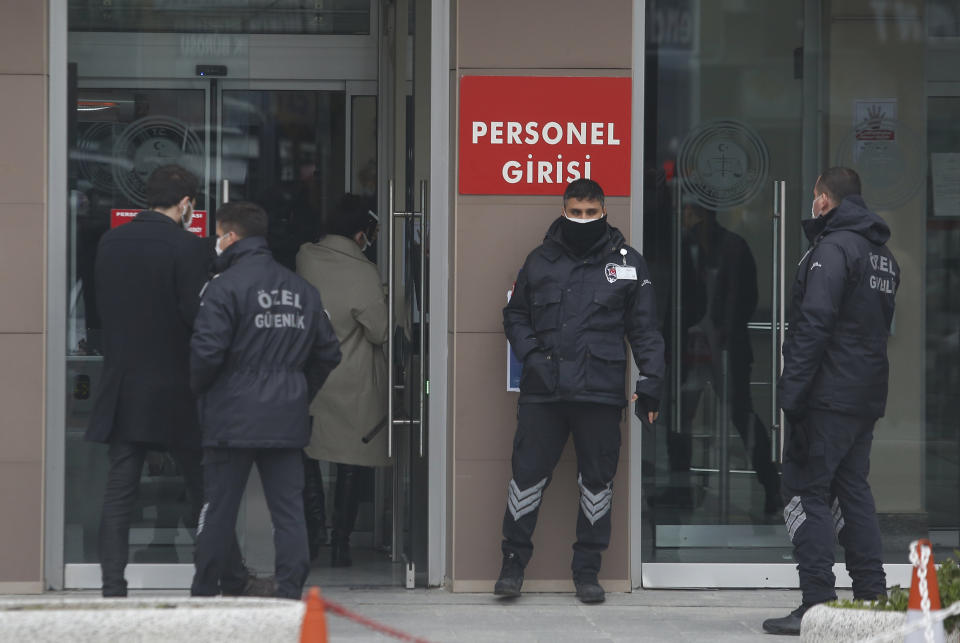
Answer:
(546, 296)
(608, 352)
(608, 299)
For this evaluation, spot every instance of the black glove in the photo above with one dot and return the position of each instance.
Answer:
(644, 405)
(797, 447)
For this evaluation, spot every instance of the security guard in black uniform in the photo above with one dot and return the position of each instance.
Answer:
(262, 347)
(833, 390)
(577, 296)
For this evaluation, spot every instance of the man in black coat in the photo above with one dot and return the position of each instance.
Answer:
(577, 296)
(832, 391)
(148, 276)
(261, 349)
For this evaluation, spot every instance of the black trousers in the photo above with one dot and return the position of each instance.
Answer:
(828, 497)
(542, 432)
(225, 478)
(119, 499)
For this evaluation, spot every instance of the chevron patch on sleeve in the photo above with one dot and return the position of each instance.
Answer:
(521, 502)
(595, 505)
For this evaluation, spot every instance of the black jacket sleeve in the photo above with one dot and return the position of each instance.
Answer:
(645, 339)
(813, 325)
(517, 322)
(191, 268)
(324, 355)
(213, 332)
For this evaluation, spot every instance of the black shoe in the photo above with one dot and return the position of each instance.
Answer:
(789, 624)
(511, 577)
(589, 590)
(340, 554)
(256, 586)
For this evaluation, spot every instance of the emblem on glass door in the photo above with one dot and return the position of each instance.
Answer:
(723, 164)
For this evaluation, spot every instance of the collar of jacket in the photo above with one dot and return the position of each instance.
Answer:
(851, 215)
(152, 216)
(554, 246)
(240, 250)
(342, 245)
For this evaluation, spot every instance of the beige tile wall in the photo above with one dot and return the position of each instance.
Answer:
(23, 131)
(492, 235)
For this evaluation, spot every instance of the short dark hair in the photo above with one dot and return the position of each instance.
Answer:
(243, 218)
(583, 190)
(168, 184)
(839, 182)
(353, 215)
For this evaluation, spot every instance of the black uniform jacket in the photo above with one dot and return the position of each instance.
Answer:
(835, 352)
(148, 276)
(262, 347)
(568, 316)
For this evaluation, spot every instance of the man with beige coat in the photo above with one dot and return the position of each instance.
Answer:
(353, 400)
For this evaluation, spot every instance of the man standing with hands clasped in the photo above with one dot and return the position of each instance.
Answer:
(833, 390)
(262, 347)
(578, 294)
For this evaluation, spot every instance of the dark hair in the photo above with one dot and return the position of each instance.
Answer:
(583, 190)
(839, 182)
(352, 216)
(168, 184)
(243, 218)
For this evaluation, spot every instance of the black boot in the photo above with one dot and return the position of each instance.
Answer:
(789, 624)
(346, 503)
(314, 505)
(511, 577)
(589, 589)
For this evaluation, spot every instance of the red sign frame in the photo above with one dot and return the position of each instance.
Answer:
(198, 225)
(531, 135)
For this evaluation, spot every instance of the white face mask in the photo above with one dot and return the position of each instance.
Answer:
(186, 217)
(582, 220)
(366, 242)
(217, 248)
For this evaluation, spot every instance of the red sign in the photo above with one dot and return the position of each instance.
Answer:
(533, 135)
(198, 225)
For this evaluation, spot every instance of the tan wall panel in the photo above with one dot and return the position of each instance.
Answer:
(486, 413)
(557, 34)
(23, 132)
(23, 43)
(21, 545)
(21, 269)
(21, 398)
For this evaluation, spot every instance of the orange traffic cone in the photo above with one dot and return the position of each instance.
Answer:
(924, 576)
(314, 628)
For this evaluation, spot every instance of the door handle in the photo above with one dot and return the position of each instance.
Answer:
(677, 305)
(777, 316)
(225, 191)
(391, 257)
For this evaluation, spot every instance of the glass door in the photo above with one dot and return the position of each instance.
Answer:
(404, 94)
(728, 124)
(746, 103)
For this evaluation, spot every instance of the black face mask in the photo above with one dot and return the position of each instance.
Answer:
(581, 236)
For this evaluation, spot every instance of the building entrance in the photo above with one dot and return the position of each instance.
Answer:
(278, 113)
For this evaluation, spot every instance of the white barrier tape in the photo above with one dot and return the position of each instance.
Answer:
(898, 634)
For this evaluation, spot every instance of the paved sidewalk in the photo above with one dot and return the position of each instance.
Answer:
(675, 616)
(439, 616)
